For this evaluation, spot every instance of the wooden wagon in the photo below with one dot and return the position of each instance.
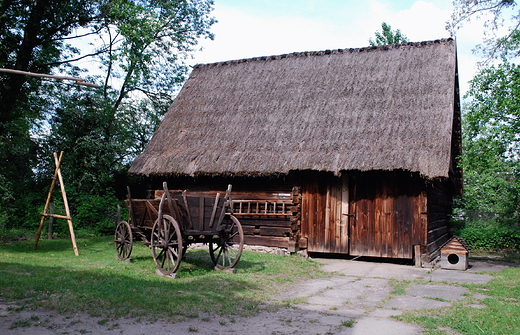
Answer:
(170, 223)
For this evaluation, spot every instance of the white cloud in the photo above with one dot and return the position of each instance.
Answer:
(424, 21)
(245, 32)
(243, 35)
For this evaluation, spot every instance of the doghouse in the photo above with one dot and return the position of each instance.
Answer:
(455, 254)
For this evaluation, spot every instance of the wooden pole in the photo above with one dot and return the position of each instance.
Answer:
(51, 223)
(79, 81)
(118, 217)
(66, 204)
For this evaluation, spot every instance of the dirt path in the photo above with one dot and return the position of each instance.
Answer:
(356, 300)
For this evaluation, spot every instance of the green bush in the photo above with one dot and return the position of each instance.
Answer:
(22, 213)
(490, 235)
(95, 215)
(12, 235)
(92, 215)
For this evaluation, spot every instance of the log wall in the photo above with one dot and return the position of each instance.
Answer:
(439, 211)
(270, 219)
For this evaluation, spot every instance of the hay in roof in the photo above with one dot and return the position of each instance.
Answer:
(378, 108)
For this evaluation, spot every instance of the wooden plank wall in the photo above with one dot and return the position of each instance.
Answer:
(313, 227)
(201, 211)
(325, 214)
(380, 214)
(388, 214)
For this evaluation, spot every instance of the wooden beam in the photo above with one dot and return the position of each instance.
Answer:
(79, 81)
(56, 216)
(66, 205)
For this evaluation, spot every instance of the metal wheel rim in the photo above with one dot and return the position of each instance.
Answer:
(166, 244)
(123, 240)
(225, 253)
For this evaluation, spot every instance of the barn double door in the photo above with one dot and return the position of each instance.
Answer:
(365, 214)
(325, 220)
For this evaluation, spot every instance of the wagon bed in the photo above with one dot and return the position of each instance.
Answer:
(169, 224)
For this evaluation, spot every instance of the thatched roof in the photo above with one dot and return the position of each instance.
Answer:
(376, 108)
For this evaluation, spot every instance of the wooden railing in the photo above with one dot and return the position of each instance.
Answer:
(262, 208)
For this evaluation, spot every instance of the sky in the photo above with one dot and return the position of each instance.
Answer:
(253, 28)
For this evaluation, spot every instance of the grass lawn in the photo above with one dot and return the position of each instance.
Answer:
(97, 283)
(497, 313)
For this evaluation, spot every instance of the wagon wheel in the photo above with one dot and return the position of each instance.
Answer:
(225, 251)
(166, 244)
(123, 240)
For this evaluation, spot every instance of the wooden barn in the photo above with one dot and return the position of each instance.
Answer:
(349, 151)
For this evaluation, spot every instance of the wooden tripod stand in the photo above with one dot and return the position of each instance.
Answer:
(57, 173)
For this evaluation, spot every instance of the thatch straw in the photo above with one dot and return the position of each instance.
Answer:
(379, 108)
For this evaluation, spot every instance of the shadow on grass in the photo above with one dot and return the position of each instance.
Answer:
(97, 283)
(44, 246)
(112, 294)
(201, 258)
(197, 257)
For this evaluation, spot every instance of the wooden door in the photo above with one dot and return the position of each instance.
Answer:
(387, 214)
(325, 214)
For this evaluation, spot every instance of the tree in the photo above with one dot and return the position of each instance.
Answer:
(494, 13)
(31, 39)
(491, 129)
(388, 36)
(139, 46)
(491, 158)
(491, 118)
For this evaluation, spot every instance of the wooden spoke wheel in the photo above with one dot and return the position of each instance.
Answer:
(123, 240)
(166, 244)
(225, 251)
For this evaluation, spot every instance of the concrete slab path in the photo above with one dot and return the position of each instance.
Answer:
(361, 292)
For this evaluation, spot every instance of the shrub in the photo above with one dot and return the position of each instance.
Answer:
(95, 214)
(490, 235)
(92, 215)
